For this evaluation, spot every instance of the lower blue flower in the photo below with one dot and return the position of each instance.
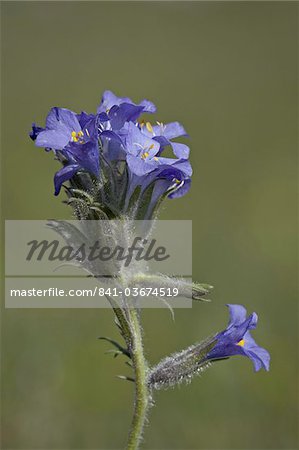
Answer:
(237, 340)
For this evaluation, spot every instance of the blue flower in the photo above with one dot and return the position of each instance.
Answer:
(164, 133)
(141, 151)
(119, 110)
(147, 169)
(72, 136)
(171, 180)
(62, 127)
(143, 154)
(109, 100)
(237, 340)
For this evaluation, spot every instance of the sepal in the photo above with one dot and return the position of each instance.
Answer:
(186, 288)
(182, 366)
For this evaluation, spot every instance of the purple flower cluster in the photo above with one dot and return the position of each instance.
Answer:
(115, 136)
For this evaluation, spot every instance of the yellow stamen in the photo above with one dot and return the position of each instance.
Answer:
(76, 135)
(241, 343)
(151, 146)
(142, 123)
(149, 127)
(144, 155)
(177, 181)
(156, 159)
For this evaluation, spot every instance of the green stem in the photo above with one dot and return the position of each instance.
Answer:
(142, 394)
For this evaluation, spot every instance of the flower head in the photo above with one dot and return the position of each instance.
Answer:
(237, 340)
(114, 152)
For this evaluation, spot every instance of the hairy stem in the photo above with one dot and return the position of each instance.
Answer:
(142, 394)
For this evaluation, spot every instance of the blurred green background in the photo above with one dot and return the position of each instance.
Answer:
(227, 71)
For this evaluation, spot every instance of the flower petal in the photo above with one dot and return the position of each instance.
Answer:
(181, 151)
(259, 356)
(62, 118)
(170, 130)
(85, 118)
(139, 166)
(237, 314)
(53, 139)
(255, 352)
(63, 175)
(137, 143)
(109, 99)
(148, 107)
(86, 155)
(126, 112)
